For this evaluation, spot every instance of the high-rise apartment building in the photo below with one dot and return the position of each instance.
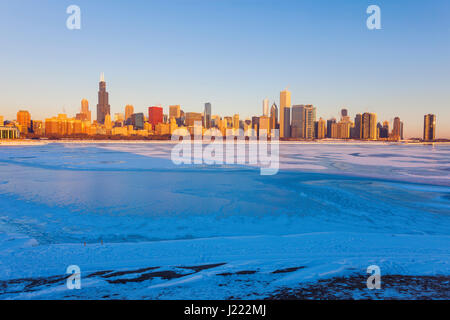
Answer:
(344, 126)
(285, 103)
(429, 127)
(321, 129)
(369, 126)
(396, 131)
(343, 129)
(24, 121)
(357, 130)
(384, 130)
(103, 107)
(373, 126)
(330, 131)
(310, 119)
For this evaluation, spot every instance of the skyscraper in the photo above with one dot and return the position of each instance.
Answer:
(103, 107)
(396, 131)
(155, 116)
(285, 103)
(287, 122)
(273, 116)
(373, 126)
(266, 107)
(207, 115)
(330, 124)
(24, 120)
(192, 118)
(255, 123)
(310, 119)
(384, 130)
(236, 121)
(357, 130)
(129, 110)
(369, 126)
(298, 121)
(303, 121)
(429, 127)
(85, 113)
(321, 129)
(174, 112)
(137, 121)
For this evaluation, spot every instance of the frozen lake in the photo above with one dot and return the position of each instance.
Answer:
(141, 227)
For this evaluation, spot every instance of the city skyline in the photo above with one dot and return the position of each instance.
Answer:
(204, 58)
(296, 122)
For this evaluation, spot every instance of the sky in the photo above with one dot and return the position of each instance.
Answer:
(232, 53)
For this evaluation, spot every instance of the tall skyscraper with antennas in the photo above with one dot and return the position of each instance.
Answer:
(103, 107)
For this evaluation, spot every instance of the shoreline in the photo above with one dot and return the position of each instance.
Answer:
(32, 142)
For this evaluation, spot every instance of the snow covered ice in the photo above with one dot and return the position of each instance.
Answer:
(156, 230)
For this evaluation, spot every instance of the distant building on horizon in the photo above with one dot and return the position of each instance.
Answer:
(137, 121)
(174, 112)
(129, 110)
(285, 103)
(192, 117)
(357, 129)
(103, 107)
(207, 115)
(303, 121)
(397, 131)
(320, 129)
(236, 121)
(298, 121)
(155, 115)
(274, 116)
(384, 130)
(24, 121)
(266, 107)
(429, 127)
(369, 126)
(332, 128)
(85, 113)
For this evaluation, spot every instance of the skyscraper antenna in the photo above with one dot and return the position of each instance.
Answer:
(102, 77)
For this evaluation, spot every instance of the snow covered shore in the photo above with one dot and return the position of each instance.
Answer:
(139, 226)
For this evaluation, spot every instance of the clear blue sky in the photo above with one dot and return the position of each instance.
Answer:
(230, 53)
